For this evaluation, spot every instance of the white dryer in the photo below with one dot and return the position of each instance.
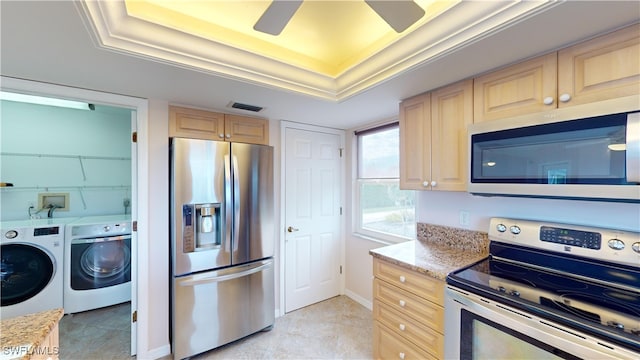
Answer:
(97, 256)
(32, 266)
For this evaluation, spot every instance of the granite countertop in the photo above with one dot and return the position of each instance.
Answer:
(438, 250)
(19, 336)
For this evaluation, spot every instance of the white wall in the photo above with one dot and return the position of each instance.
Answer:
(96, 186)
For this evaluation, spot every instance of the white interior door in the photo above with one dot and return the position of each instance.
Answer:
(313, 239)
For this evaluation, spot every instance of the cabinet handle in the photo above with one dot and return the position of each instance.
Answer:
(548, 100)
(401, 355)
(565, 98)
(434, 183)
(402, 279)
(401, 327)
(402, 303)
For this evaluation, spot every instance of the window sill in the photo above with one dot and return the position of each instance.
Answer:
(389, 241)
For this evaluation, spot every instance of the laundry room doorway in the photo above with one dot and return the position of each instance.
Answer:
(83, 196)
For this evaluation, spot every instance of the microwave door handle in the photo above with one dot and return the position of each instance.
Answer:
(633, 148)
(215, 278)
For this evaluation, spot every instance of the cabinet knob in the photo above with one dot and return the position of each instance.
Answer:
(401, 356)
(425, 184)
(548, 100)
(228, 136)
(565, 98)
(401, 327)
(434, 183)
(402, 303)
(221, 136)
(402, 279)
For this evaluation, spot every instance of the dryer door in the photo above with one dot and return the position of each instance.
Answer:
(25, 271)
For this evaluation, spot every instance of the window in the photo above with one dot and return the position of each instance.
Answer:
(383, 210)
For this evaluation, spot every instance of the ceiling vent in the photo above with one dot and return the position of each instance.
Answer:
(241, 106)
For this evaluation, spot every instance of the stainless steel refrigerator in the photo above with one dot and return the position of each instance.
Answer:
(222, 243)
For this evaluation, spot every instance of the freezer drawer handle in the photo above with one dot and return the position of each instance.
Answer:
(213, 279)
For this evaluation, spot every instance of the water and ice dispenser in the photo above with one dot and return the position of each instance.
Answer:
(201, 227)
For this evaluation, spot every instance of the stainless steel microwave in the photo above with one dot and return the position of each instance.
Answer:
(559, 154)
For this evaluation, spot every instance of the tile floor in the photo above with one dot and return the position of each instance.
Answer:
(97, 334)
(338, 328)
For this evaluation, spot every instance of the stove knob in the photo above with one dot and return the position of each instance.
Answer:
(515, 229)
(515, 293)
(616, 244)
(636, 247)
(501, 228)
(616, 325)
(107, 228)
(502, 289)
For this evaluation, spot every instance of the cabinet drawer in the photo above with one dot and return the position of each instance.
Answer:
(413, 306)
(388, 345)
(419, 284)
(426, 338)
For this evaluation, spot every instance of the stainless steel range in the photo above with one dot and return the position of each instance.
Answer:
(547, 291)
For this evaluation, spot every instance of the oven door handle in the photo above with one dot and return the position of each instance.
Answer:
(100, 239)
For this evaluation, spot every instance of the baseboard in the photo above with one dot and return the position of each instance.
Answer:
(157, 353)
(359, 299)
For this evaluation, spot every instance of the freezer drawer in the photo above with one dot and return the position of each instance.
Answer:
(217, 307)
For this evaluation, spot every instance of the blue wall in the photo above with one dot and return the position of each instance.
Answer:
(47, 149)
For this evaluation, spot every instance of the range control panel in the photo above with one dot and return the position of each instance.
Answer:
(612, 245)
(585, 239)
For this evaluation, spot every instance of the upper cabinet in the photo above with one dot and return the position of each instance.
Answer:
(603, 68)
(606, 67)
(433, 144)
(200, 124)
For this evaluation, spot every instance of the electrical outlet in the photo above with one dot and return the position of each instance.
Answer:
(464, 218)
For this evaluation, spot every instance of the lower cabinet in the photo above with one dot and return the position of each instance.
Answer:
(408, 313)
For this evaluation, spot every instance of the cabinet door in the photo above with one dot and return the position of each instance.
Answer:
(604, 68)
(415, 142)
(195, 124)
(451, 112)
(516, 90)
(246, 129)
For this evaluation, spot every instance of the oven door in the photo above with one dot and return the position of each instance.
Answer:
(480, 328)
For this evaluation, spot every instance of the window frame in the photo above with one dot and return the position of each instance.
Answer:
(358, 228)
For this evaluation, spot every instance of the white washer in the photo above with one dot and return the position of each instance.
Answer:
(97, 256)
(32, 266)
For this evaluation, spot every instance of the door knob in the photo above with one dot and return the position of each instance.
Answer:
(292, 229)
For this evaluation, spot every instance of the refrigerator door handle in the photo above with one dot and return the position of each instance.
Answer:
(227, 202)
(236, 203)
(214, 278)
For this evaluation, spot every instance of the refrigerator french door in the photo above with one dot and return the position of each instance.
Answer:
(222, 243)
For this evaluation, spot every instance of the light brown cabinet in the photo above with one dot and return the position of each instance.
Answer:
(433, 144)
(408, 313)
(602, 68)
(201, 124)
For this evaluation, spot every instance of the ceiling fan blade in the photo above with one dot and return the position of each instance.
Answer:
(399, 14)
(277, 15)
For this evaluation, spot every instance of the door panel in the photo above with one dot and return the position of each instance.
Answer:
(312, 217)
(199, 171)
(253, 199)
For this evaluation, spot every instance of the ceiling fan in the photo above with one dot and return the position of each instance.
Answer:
(399, 14)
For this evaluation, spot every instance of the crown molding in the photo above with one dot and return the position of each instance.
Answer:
(463, 24)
